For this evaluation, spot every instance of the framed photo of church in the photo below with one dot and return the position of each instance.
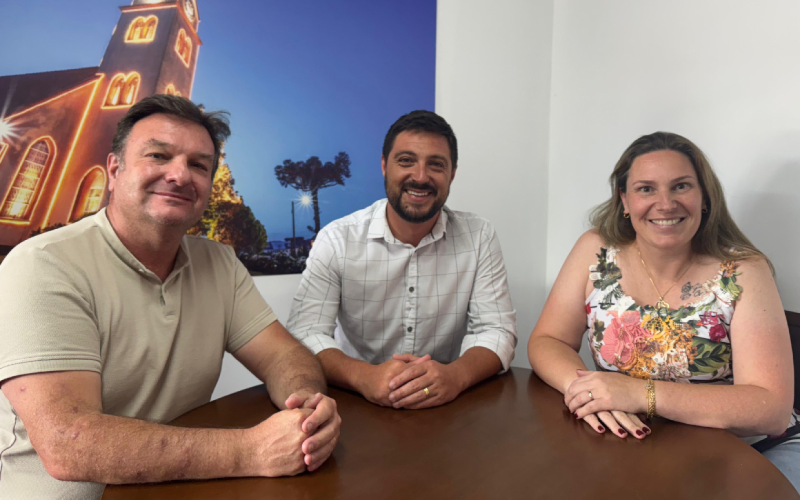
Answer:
(311, 87)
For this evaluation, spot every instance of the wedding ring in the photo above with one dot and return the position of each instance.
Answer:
(427, 392)
(591, 396)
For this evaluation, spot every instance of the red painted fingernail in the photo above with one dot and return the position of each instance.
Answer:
(647, 430)
(622, 433)
(639, 433)
(576, 414)
(601, 428)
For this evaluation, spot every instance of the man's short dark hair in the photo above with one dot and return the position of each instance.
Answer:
(215, 122)
(422, 121)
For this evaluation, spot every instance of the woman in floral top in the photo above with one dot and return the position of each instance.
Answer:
(670, 289)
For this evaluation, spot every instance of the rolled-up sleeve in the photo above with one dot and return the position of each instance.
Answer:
(492, 319)
(312, 319)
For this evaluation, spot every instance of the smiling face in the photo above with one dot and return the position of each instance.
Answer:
(417, 175)
(165, 177)
(664, 199)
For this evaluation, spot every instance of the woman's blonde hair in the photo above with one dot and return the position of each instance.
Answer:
(718, 235)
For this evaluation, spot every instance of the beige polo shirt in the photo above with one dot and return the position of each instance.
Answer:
(77, 299)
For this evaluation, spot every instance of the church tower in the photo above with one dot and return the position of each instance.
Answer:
(153, 51)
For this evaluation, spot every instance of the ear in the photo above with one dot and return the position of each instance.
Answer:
(113, 167)
(383, 166)
(624, 197)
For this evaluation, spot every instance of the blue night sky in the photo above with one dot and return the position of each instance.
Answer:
(300, 78)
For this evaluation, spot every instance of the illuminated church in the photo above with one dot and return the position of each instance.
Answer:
(57, 126)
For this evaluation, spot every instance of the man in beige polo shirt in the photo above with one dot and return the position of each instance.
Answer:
(118, 323)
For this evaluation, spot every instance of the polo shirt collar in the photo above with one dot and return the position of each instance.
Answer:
(379, 227)
(128, 258)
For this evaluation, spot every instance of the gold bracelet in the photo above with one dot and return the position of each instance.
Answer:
(651, 399)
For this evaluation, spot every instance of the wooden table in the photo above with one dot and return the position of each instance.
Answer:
(509, 437)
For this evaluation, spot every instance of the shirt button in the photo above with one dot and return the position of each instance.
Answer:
(410, 329)
(411, 289)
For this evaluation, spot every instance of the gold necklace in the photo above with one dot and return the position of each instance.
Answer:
(662, 304)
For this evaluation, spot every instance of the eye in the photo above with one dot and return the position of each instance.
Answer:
(157, 156)
(682, 186)
(405, 160)
(645, 189)
(200, 166)
(437, 164)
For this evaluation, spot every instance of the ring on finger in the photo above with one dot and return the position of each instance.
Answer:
(591, 396)
(427, 392)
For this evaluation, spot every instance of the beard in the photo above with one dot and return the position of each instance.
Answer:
(394, 195)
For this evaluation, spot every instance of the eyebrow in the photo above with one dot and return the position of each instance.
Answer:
(205, 156)
(439, 157)
(162, 144)
(679, 179)
(156, 143)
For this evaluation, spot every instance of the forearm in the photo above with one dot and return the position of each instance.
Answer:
(745, 410)
(116, 450)
(297, 371)
(343, 371)
(554, 361)
(475, 365)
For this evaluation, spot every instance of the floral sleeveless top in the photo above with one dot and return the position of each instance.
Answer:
(688, 345)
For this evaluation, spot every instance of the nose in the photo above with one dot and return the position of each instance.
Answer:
(666, 200)
(420, 174)
(177, 171)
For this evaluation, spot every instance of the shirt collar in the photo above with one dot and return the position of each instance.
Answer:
(379, 227)
(182, 260)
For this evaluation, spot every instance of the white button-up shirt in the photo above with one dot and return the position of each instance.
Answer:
(442, 297)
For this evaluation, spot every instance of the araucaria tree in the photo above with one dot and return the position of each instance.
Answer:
(312, 175)
(227, 219)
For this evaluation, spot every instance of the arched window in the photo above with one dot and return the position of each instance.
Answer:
(122, 90)
(27, 184)
(150, 28)
(183, 46)
(90, 194)
(142, 30)
(171, 90)
(115, 90)
(131, 88)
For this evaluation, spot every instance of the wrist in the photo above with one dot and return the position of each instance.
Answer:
(244, 463)
(649, 406)
(459, 374)
(362, 375)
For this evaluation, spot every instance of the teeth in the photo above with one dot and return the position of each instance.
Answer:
(663, 222)
(418, 193)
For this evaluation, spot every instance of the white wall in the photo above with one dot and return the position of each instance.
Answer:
(493, 87)
(724, 74)
(278, 292)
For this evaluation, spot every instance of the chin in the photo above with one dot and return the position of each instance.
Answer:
(174, 218)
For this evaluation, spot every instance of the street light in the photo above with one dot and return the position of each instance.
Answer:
(305, 200)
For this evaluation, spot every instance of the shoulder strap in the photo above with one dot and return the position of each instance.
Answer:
(605, 273)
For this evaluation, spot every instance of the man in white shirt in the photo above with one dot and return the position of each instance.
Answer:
(419, 291)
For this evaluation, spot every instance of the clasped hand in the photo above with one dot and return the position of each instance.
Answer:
(299, 438)
(612, 398)
(401, 382)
